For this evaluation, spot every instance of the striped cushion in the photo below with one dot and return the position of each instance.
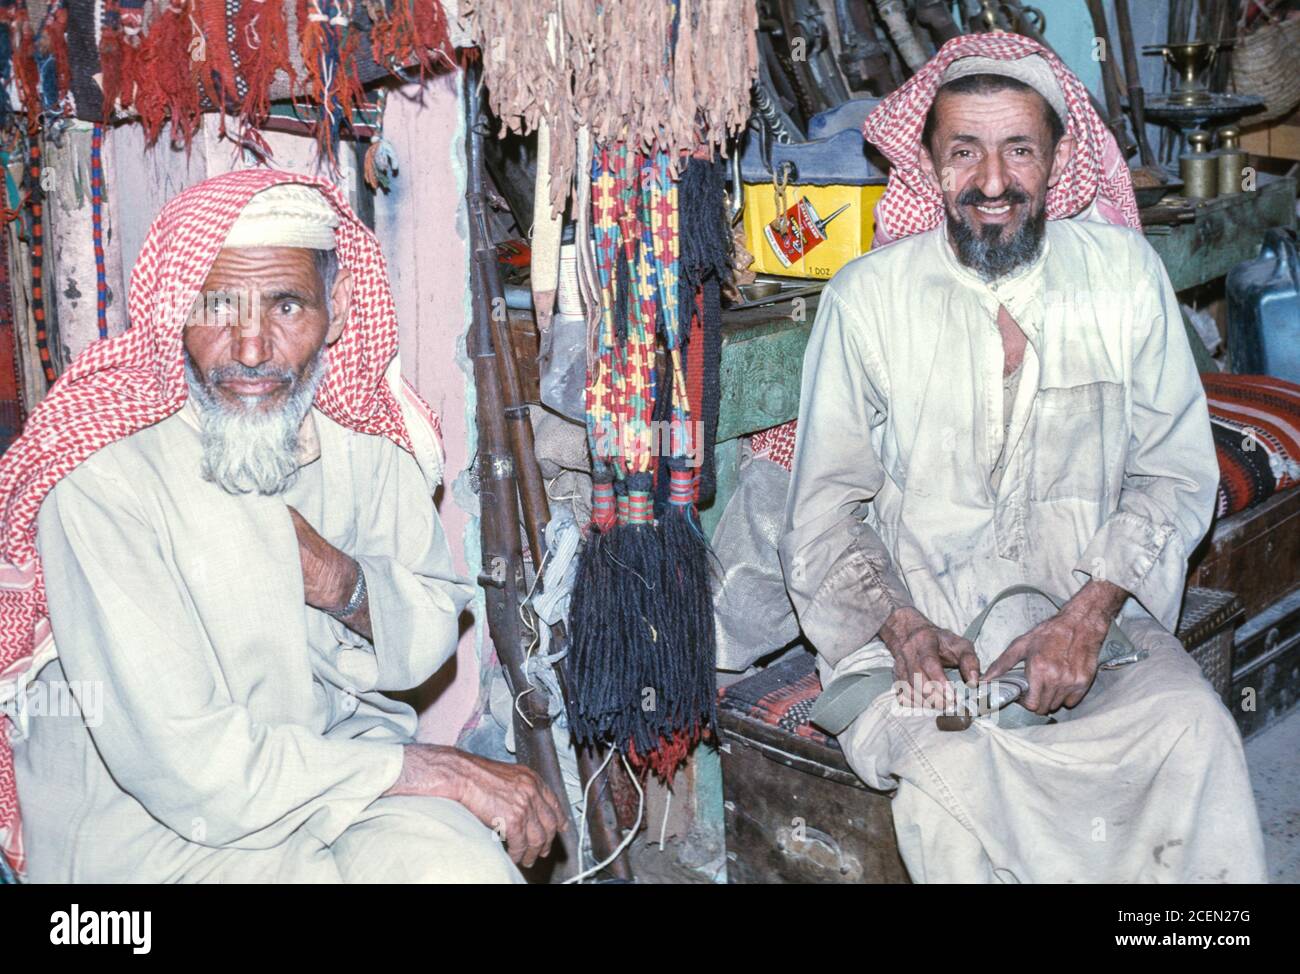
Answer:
(1256, 424)
(782, 695)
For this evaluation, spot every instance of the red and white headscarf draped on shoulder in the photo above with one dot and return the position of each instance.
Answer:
(126, 383)
(1096, 175)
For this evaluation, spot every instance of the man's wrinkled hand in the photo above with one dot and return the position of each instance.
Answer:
(1060, 657)
(921, 651)
(512, 800)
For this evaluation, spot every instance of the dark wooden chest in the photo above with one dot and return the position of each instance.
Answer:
(795, 812)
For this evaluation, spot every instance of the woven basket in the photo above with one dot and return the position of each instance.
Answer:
(1266, 63)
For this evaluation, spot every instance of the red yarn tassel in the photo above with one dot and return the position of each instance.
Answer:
(54, 41)
(110, 58)
(132, 63)
(262, 46)
(332, 83)
(215, 72)
(389, 34)
(311, 46)
(352, 97)
(432, 44)
(414, 34)
(665, 759)
(24, 68)
(167, 86)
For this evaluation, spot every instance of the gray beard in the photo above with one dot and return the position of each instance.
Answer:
(250, 449)
(990, 257)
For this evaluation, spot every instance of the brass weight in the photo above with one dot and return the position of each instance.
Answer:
(1199, 168)
(1232, 161)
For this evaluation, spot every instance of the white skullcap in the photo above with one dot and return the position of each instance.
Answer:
(1031, 70)
(285, 215)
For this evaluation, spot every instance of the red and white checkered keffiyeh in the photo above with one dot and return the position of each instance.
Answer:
(1096, 173)
(124, 384)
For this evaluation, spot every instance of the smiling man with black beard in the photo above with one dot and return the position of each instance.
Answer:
(1006, 397)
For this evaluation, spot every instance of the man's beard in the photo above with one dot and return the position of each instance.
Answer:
(249, 448)
(983, 250)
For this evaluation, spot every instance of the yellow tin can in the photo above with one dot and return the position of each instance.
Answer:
(825, 227)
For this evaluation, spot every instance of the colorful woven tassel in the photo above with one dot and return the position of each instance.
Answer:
(641, 665)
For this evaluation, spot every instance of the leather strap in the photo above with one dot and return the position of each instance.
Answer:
(847, 697)
(1116, 645)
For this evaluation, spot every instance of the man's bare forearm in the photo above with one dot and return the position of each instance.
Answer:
(431, 770)
(1098, 600)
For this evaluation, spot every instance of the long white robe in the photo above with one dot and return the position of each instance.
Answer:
(226, 731)
(1110, 472)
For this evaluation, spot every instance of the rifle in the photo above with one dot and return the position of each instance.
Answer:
(507, 474)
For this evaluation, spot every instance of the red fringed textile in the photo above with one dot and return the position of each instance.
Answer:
(411, 33)
(24, 65)
(225, 55)
(167, 88)
(110, 58)
(391, 34)
(430, 26)
(214, 72)
(262, 46)
(53, 40)
(132, 67)
(328, 48)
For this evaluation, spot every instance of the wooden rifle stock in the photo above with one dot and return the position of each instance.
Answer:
(508, 472)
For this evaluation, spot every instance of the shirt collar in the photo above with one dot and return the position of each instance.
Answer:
(308, 435)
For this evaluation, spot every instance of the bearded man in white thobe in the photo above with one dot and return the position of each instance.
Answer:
(230, 588)
(1010, 400)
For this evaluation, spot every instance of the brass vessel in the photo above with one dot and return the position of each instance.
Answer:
(1190, 61)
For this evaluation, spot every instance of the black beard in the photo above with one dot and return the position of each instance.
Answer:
(984, 251)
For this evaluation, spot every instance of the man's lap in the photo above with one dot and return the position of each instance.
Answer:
(1144, 780)
(1140, 705)
(412, 839)
(397, 839)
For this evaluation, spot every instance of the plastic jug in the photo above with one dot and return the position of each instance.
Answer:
(1264, 310)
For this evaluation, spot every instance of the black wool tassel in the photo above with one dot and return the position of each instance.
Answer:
(594, 665)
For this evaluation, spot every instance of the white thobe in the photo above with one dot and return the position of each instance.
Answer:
(1109, 471)
(226, 731)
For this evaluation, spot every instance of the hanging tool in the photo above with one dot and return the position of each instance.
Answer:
(894, 14)
(863, 58)
(935, 17)
(1137, 98)
(1112, 84)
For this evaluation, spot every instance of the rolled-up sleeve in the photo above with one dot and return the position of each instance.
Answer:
(838, 572)
(1171, 472)
(168, 731)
